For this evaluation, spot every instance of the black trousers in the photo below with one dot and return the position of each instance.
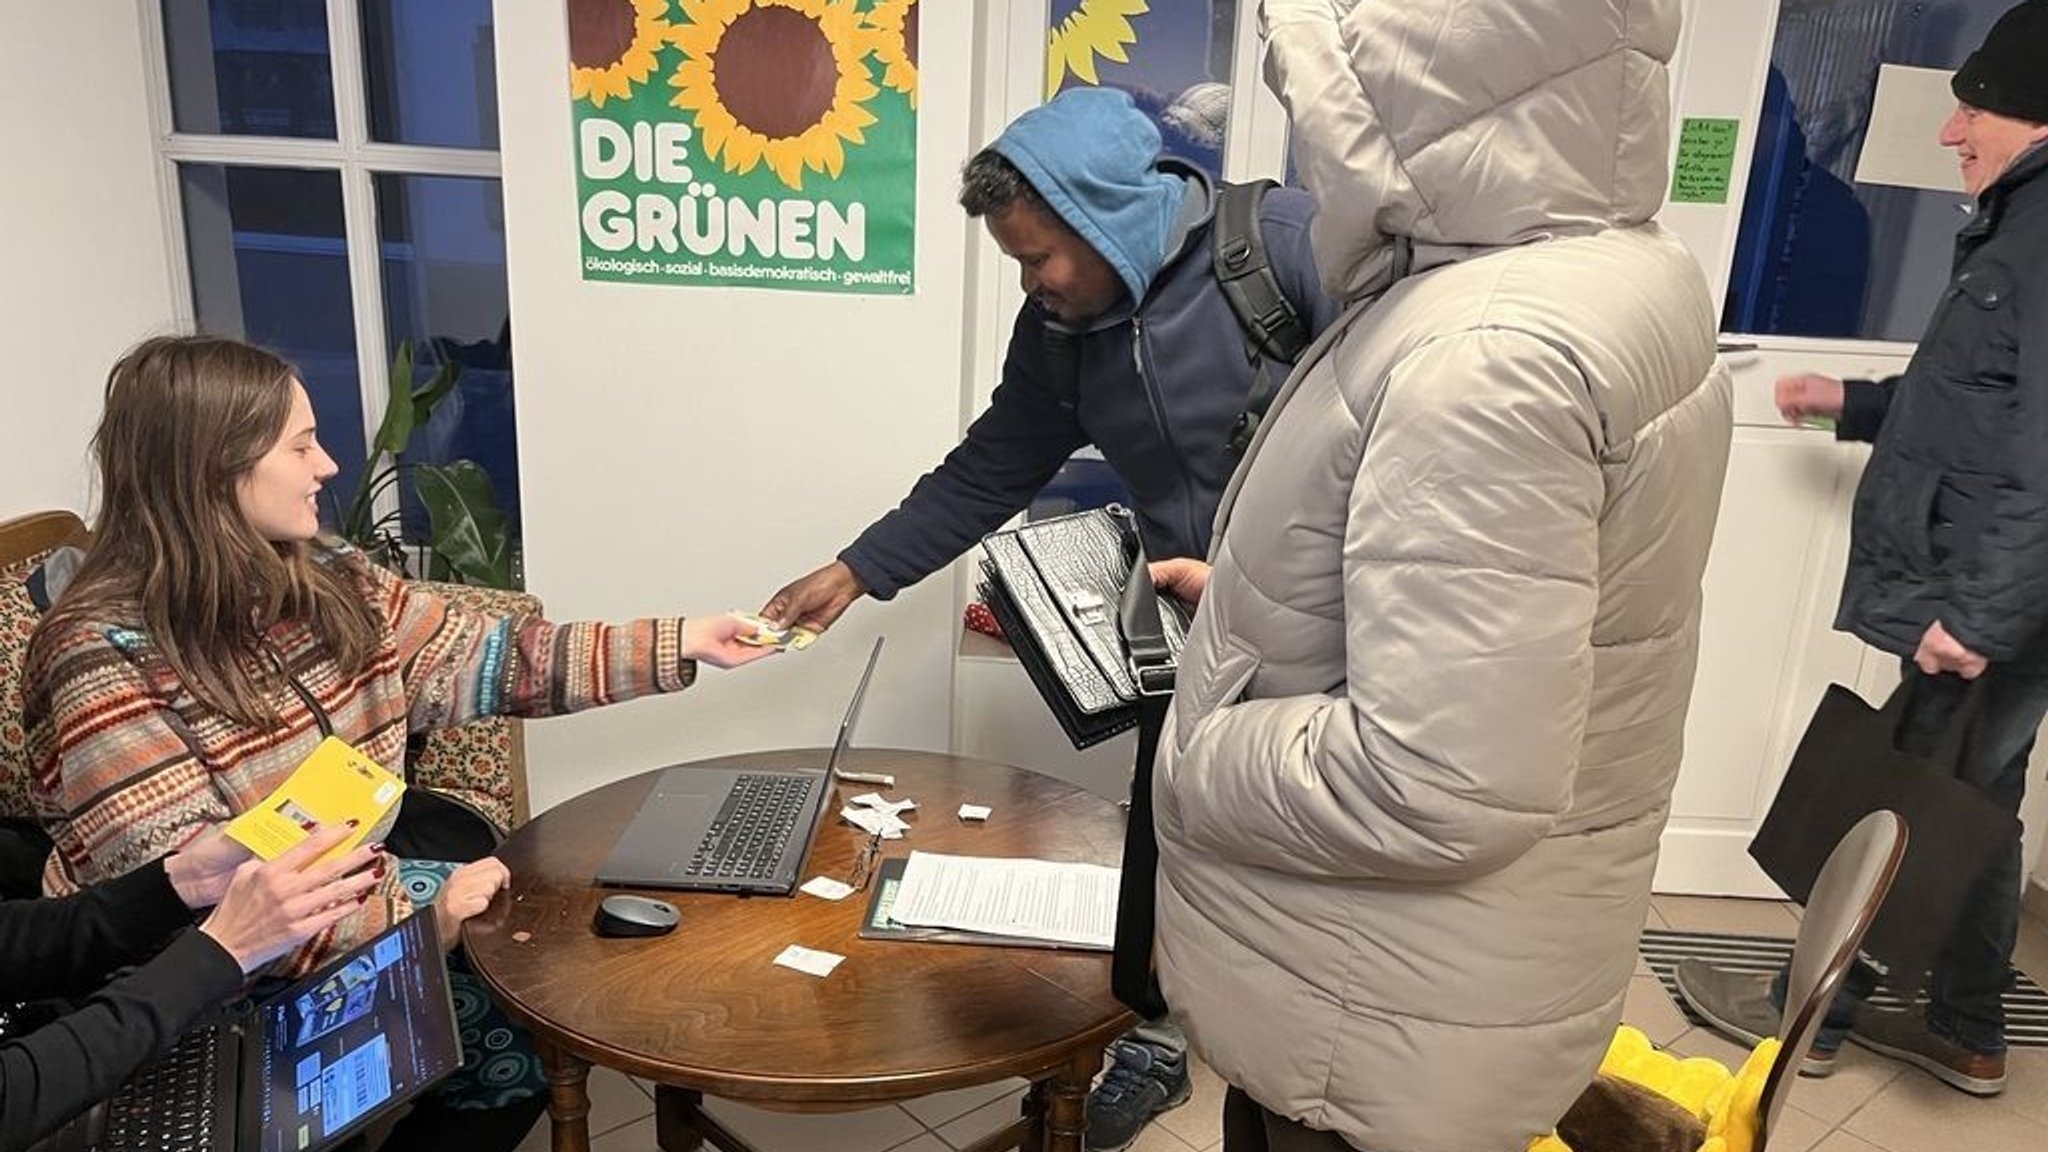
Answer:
(1247, 1127)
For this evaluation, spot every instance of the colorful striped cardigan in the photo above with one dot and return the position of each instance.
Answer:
(129, 765)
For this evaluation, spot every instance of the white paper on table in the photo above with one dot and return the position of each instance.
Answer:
(875, 823)
(809, 960)
(826, 888)
(1031, 899)
(1901, 145)
(890, 807)
(975, 811)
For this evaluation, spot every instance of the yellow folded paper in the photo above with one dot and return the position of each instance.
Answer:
(334, 785)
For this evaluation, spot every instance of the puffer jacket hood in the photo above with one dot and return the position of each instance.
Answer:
(1095, 159)
(1409, 795)
(1480, 123)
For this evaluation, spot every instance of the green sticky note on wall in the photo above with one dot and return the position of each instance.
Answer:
(1706, 155)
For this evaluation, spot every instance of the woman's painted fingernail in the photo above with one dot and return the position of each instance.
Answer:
(377, 849)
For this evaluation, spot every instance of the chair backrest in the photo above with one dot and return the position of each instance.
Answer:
(24, 541)
(1845, 899)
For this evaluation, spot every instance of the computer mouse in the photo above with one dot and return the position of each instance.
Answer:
(625, 915)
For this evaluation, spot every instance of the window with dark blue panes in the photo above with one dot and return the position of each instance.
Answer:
(266, 240)
(250, 67)
(269, 265)
(1173, 57)
(442, 242)
(1821, 253)
(432, 73)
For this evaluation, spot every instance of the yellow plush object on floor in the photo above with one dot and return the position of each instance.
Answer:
(1727, 1104)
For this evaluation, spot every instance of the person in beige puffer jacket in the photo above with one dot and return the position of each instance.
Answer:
(1428, 721)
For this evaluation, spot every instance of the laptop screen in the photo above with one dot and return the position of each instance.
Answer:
(354, 1038)
(860, 691)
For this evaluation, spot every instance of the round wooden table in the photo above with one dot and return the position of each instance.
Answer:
(704, 1009)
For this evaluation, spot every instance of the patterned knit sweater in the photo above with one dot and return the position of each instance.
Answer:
(129, 765)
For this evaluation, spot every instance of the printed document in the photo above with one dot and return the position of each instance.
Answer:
(1030, 899)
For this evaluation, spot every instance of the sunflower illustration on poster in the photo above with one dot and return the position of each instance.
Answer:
(757, 143)
(1172, 56)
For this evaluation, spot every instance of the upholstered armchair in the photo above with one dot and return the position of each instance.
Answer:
(483, 763)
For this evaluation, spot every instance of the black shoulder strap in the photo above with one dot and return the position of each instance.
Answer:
(1246, 277)
(1274, 332)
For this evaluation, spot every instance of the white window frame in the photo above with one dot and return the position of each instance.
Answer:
(352, 153)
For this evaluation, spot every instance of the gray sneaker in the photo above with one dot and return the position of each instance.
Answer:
(1738, 1005)
(1142, 1082)
(1906, 1036)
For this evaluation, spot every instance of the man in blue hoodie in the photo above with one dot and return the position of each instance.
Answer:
(1127, 342)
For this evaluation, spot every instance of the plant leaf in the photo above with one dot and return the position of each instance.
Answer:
(465, 526)
(401, 415)
(430, 395)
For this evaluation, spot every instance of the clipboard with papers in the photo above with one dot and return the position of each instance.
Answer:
(978, 895)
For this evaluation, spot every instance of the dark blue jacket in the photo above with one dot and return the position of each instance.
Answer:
(1156, 391)
(1951, 516)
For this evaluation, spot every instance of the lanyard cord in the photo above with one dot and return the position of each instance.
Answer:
(320, 717)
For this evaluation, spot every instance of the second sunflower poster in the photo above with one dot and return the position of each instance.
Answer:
(755, 143)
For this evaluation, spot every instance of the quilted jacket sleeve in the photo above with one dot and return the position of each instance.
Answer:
(1470, 556)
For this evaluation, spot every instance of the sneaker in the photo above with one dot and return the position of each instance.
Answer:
(1906, 1036)
(1142, 1082)
(1738, 1005)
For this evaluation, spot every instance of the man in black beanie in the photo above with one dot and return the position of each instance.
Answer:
(1948, 556)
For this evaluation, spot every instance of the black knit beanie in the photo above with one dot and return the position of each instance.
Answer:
(2009, 74)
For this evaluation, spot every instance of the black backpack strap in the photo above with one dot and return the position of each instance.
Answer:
(1246, 277)
(1274, 332)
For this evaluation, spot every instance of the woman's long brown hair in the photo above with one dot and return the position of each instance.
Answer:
(186, 418)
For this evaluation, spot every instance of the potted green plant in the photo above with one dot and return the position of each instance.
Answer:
(468, 539)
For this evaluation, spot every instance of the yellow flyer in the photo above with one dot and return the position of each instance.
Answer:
(334, 785)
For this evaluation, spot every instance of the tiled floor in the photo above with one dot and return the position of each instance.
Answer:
(1869, 1105)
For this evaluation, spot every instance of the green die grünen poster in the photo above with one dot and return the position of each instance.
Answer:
(754, 143)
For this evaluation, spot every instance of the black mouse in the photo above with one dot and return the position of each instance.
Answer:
(625, 915)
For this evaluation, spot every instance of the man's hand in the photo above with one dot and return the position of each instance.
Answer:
(466, 892)
(1809, 394)
(817, 600)
(1940, 652)
(715, 640)
(1183, 579)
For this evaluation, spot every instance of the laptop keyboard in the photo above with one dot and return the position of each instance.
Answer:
(745, 840)
(170, 1104)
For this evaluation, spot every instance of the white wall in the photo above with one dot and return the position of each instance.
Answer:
(83, 269)
(641, 494)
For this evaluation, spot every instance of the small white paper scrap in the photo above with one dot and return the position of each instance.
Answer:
(891, 807)
(975, 811)
(809, 960)
(826, 888)
(868, 820)
(883, 779)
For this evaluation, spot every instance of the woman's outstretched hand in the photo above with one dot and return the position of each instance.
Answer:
(715, 640)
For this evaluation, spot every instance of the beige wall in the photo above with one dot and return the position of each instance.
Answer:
(83, 270)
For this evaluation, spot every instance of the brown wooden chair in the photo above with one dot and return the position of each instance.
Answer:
(1613, 1115)
(483, 762)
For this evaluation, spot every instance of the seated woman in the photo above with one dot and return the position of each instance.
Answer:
(212, 636)
(67, 947)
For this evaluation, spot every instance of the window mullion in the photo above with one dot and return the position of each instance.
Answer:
(359, 221)
(156, 95)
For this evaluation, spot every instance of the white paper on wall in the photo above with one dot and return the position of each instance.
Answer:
(1902, 146)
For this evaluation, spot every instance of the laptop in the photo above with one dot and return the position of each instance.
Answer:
(305, 1068)
(727, 830)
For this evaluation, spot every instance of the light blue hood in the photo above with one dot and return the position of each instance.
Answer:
(1093, 157)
